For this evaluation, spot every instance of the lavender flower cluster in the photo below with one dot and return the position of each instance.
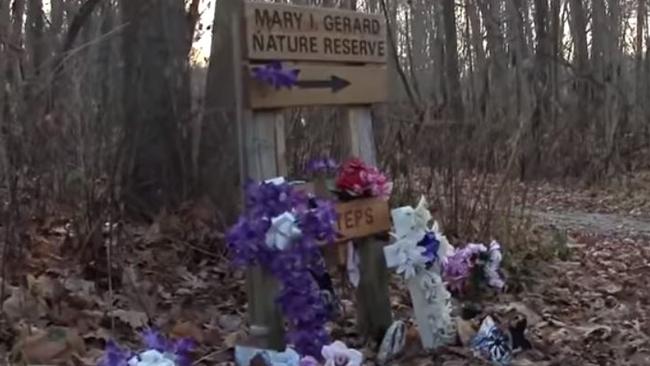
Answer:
(275, 75)
(431, 245)
(459, 267)
(322, 166)
(176, 352)
(300, 298)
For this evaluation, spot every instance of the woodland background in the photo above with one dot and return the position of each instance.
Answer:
(109, 116)
(101, 100)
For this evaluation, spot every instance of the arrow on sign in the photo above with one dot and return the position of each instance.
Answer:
(334, 82)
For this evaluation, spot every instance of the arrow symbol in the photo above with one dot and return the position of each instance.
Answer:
(334, 82)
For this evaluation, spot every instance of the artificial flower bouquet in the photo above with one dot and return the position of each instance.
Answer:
(334, 354)
(158, 351)
(473, 268)
(356, 179)
(351, 180)
(281, 230)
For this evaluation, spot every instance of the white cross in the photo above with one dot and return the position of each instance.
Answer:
(428, 293)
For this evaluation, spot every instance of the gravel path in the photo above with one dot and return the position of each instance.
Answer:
(594, 222)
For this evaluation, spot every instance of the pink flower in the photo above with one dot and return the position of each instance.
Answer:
(308, 361)
(358, 179)
(338, 354)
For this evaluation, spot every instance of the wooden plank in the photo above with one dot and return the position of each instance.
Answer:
(289, 32)
(262, 162)
(323, 85)
(362, 217)
(262, 154)
(374, 315)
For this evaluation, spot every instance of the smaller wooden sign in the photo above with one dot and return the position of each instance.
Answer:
(362, 217)
(323, 85)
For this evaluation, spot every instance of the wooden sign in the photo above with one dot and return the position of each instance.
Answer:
(362, 217)
(323, 85)
(287, 32)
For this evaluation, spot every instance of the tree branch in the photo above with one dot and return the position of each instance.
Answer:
(409, 91)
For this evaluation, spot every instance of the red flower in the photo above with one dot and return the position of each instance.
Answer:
(350, 177)
(358, 179)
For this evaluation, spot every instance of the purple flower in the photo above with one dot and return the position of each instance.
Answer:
(300, 297)
(308, 361)
(114, 355)
(322, 165)
(183, 348)
(154, 340)
(275, 75)
(338, 354)
(459, 266)
(319, 222)
(431, 245)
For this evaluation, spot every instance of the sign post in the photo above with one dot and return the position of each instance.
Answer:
(374, 315)
(339, 58)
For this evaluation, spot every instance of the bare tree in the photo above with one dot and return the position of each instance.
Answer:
(156, 98)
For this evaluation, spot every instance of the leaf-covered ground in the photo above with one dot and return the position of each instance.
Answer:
(580, 279)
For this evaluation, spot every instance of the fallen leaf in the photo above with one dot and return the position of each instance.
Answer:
(466, 330)
(23, 304)
(187, 330)
(229, 322)
(136, 319)
(233, 338)
(55, 345)
(532, 318)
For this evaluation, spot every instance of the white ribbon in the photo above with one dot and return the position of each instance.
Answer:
(422, 215)
(410, 227)
(151, 358)
(283, 231)
(445, 249)
(352, 265)
(409, 221)
(406, 256)
(492, 269)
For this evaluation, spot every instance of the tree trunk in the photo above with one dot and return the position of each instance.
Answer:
(540, 113)
(576, 141)
(5, 49)
(479, 66)
(451, 61)
(34, 28)
(498, 85)
(156, 99)
(218, 144)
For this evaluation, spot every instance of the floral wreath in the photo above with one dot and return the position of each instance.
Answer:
(474, 262)
(281, 230)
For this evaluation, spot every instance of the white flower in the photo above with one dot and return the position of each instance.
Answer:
(284, 229)
(410, 256)
(151, 358)
(422, 216)
(492, 269)
(338, 354)
(439, 308)
(409, 221)
(445, 249)
(277, 180)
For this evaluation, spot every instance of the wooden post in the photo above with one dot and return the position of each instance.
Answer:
(261, 156)
(374, 312)
(264, 159)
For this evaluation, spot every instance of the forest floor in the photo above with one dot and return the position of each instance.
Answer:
(579, 279)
